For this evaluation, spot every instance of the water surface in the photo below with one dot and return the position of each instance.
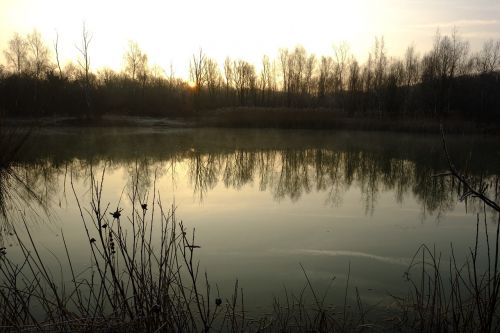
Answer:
(265, 201)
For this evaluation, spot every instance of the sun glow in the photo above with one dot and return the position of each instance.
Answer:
(154, 26)
(233, 28)
(191, 84)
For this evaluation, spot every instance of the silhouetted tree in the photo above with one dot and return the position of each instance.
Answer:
(84, 62)
(135, 61)
(488, 59)
(326, 77)
(444, 81)
(198, 70)
(354, 86)
(157, 75)
(213, 77)
(244, 80)
(379, 71)
(228, 75)
(341, 53)
(56, 51)
(265, 79)
(411, 76)
(38, 55)
(284, 66)
(17, 54)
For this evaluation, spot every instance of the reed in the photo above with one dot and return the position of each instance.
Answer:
(144, 276)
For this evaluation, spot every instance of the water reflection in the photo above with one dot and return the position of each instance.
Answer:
(24, 194)
(338, 197)
(289, 174)
(286, 164)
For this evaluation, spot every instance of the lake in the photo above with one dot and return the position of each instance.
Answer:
(263, 202)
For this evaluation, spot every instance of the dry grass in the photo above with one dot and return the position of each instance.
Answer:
(321, 118)
(144, 276)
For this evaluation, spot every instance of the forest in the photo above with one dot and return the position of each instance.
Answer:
(448, 81)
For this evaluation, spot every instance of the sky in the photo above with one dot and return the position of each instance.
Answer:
(170, 31)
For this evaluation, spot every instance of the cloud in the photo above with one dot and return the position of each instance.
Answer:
(389, 260)
(459, 24)
(481, 35)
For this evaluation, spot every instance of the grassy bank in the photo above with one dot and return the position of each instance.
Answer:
(328, 119)
(283, 118)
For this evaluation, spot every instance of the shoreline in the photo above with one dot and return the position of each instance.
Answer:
(277, 118)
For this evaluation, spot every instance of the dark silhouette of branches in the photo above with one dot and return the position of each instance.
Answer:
(56, 51)
(38, 55)
(84, 62)
(470, 191)
(449, 81)
(135, 61)
(17, 54)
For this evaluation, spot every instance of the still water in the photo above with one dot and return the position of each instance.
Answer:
(263, 202)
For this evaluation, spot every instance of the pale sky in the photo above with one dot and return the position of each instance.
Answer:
(170, 31)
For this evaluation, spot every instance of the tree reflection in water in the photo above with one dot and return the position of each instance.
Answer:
(286, 164)
(17, 196)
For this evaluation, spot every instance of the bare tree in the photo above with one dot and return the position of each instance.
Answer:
(449, 53)
(326, 78)
(380, 62)
(84, 63)
(106, 76)
(308, 78)
(411, 66)
(460, 55)
(447, 59)
(284, 62)
(72, 71)
(197, 70)
(354, 79)
(171, 76)
(143, 72)
(213, 76)
(411, 73)
(341, 53)
(244, 79)
(228, 74)
(488, 59)
(38, 54)
(136, 67)
(84, 60)
(56, 51)
(265, 75)
(296, 69)
(377, 66)
(353, 85)
(135, 60)
(396, 73)
(158, 74)
(17, 54)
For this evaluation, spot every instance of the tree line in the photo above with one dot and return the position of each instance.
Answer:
(448, 80)
(285, 172)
